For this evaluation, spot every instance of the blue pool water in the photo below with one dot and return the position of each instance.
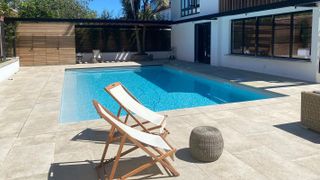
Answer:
(157, 87)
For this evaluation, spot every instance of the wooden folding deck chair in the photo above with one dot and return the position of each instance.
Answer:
(141, 140)
(132, 106)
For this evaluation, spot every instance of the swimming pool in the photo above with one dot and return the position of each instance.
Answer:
(157, 87)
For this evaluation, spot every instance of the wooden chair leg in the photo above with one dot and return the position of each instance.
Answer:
(145, 166)
(108, 141)
(119, 112)
(116, 162)
(166, 164)
(126, 119)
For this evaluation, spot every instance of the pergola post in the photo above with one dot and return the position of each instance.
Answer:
(2, 49)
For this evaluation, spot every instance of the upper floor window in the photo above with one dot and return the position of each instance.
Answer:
(189, 7)
(285, 35)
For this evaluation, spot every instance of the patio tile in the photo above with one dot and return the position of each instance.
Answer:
(284, 146)
(65, 144)
(220, 116)
(273, 166)
(195, 120)
(29, 160)
(10, 129)
(14, 115)
(33, 177)
(6, 144)
(235, 141)
(193, 172)
(247, 127)
(311, 162)
(229, 167)
(40, 122)
(72, 170)
(20, 105)
(34, 140)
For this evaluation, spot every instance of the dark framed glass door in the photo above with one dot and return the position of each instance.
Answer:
(203, 43)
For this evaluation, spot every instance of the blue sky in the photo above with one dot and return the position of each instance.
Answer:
(113, 6)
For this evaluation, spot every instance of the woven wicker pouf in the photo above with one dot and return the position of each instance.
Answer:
(206, 143)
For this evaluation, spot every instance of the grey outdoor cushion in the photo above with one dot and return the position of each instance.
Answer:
(206, 143)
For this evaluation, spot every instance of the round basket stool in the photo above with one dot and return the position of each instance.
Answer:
(206, 143)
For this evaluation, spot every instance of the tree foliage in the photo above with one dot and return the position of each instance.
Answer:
(7, 8)
(55, 9)
(106, 14)
(142, 10)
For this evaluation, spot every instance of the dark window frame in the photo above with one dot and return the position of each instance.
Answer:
(256, 54)
(189, 7)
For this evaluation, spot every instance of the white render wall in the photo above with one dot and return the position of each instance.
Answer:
(206, 7)
(317, 43)
(183, 39)
(293, 69)
(7, 69)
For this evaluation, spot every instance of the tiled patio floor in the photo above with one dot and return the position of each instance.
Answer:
(263, 139)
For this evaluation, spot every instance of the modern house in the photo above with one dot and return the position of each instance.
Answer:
(278, 37)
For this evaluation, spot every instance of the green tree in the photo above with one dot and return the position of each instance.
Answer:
(55, 9)
(142, 10)
(106, 14)
(7, 8)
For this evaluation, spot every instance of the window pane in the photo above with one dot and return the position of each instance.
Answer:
(282, 36)
(250, 36)
(265, 36)
(302, 35)
(237, 36)
(189, 7)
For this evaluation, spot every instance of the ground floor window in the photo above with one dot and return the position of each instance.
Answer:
(284, 35)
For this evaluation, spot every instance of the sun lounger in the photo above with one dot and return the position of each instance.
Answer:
(133, 107)
(145, 141)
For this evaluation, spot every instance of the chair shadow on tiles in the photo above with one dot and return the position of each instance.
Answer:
(97, 136)
(297, 129)
(84, 170)
(93, 135)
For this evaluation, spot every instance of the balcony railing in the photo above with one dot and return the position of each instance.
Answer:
(230, 5)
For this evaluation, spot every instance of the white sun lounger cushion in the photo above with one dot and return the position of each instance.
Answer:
(146, 138)
(135, 107)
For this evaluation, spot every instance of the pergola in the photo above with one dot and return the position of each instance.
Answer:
(39, 42)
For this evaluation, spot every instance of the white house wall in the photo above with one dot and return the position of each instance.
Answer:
(206, 7)
(303, 70)
(317, 32)
(183, 40)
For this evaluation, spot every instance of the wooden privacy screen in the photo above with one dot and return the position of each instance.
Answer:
(45, 44)
(230, 5)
